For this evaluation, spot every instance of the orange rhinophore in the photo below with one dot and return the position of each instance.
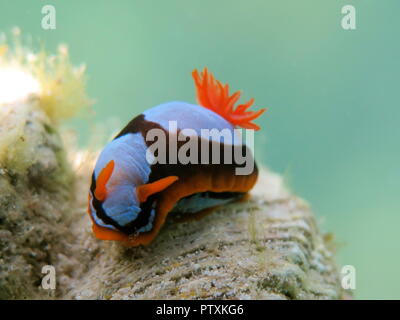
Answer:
(146, 190)
(104, 176)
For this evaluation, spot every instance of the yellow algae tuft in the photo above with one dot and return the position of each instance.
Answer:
(63, 87)
(59, 87)
(35, 85)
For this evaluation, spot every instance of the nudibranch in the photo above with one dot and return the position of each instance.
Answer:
(131, 194)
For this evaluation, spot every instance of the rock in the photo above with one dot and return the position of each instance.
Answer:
(36, 180)
(34, 199)
(267, 247)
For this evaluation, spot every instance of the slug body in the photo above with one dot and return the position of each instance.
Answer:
(162, 162)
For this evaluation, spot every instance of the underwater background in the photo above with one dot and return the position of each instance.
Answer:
(332, 125)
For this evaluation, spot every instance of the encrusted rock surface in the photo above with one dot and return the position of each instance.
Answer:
(267, 247)
(37, 184)
(34, 199)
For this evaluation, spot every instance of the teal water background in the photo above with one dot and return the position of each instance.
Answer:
(332, 125)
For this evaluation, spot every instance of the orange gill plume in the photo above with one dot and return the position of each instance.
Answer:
(213, 95)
